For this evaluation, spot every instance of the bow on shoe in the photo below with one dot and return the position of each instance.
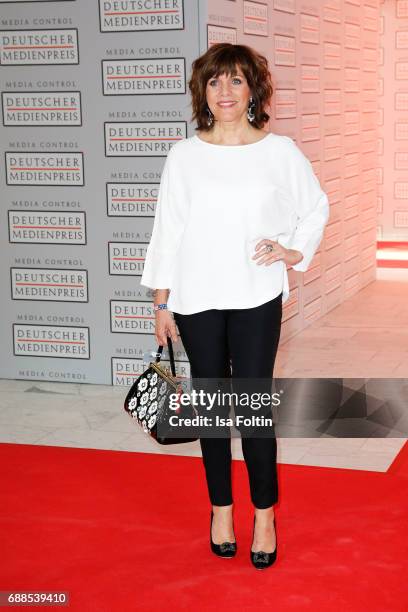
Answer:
(261, 556)
(227, 547)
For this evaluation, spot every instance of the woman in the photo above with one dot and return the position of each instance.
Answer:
(236, 205)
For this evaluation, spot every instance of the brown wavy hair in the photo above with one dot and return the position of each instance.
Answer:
(224, 58)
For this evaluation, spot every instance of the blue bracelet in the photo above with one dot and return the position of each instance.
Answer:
(160, 307)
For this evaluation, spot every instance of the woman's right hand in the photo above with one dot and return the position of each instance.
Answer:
(165, 326)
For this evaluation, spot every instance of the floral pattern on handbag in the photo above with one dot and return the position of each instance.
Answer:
(148, 398)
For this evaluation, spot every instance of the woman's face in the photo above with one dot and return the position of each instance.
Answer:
(228, 96)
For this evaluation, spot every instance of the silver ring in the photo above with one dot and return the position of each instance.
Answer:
(269, 247)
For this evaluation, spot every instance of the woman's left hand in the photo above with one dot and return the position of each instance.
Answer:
(278, 252)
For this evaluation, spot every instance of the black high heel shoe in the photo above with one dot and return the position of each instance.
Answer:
(226, 549)
(261, 559)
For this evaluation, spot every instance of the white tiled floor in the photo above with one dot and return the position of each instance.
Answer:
(366, 336)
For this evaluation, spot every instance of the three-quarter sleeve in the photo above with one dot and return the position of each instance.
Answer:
(169, 222)
(311, 206)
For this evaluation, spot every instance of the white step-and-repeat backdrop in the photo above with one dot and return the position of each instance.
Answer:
(93, 95)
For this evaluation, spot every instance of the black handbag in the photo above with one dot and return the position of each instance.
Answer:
(148, 400)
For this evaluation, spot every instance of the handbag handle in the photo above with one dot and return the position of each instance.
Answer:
(171, 354)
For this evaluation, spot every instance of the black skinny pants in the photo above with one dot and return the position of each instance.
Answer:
(249, 337)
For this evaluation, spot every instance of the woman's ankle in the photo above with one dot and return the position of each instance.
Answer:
(222, 508)
(265, 513)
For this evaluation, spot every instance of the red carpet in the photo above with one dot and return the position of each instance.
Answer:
(129, 531)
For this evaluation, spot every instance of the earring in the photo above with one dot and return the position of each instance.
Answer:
(251, 108)
(210, 117)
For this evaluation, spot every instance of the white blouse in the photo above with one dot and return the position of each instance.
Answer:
(215, 203)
